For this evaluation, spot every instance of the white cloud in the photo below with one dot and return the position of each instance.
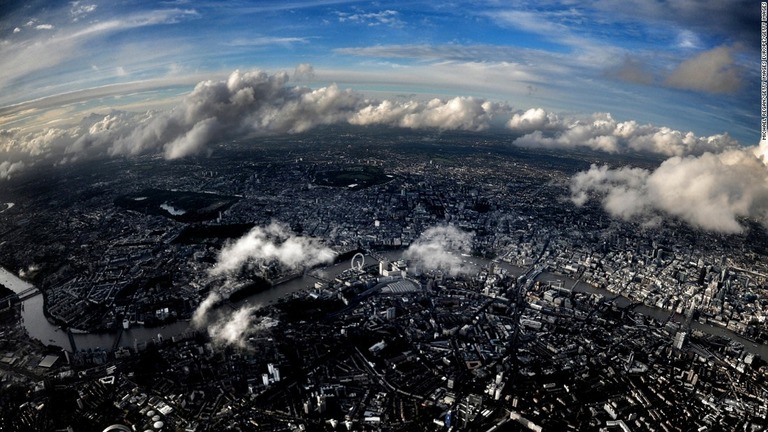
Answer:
(710, 191)
(602, 132)
(234, 328)
(79, 10)
(202, 314)
(534, 119)
(42, 53)
(8, 169)
(688, 40)
(247, 102)
(533, 22)
(260, 103)
(304, 72)
(463, 113)
(268, 40)
(261, 246)
(36, 144)
(387, 17)
(226, 327)
(439, 248)
(271, 244)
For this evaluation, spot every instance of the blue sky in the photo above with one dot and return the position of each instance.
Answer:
(692, 66)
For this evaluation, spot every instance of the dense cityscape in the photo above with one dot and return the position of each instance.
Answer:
(465, 291)
(345, 215)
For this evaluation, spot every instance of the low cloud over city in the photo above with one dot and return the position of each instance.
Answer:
(274, 244)
(440, 248)
(711, 191)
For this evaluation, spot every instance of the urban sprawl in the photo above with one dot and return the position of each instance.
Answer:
(552, 318)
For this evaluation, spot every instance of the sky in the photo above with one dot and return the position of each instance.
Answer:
(689, 65)
(679, 79)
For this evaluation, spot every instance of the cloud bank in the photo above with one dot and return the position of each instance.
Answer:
(602, 132)
(246, 103)
(459, 113)
(710, 191)
(256, 102)
(273, 244)
(439, 248)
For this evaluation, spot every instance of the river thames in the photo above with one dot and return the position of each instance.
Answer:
(38, 326)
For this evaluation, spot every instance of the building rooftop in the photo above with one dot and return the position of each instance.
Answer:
(48, 361)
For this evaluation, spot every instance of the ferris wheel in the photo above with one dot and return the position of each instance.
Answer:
(358, 261)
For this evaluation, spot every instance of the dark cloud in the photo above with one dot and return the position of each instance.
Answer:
(712, 71)
(632, 70)
(734, 21)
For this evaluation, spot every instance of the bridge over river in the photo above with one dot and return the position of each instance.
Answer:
(21, 289)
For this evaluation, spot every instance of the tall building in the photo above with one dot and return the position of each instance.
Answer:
(469, 407)
(274, 372)
(630, 360)
(680, 338)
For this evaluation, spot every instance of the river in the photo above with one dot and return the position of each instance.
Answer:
(40, 328)
(657, 313)
(12, 282)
